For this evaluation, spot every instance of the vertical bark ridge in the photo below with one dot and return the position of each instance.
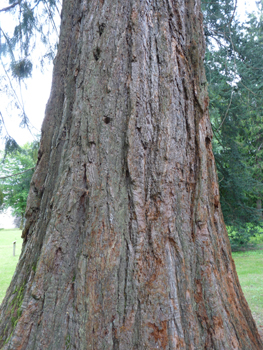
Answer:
(125, 245)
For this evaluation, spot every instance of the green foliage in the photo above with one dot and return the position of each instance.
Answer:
(15, 188)
(241, 236)
(21, 69)
(234, 61)
(218, 20)
(10, 145)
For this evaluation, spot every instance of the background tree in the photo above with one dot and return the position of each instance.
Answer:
(15, 188)
(124, 244)
(234, 70)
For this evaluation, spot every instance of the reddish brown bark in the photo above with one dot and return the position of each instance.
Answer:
(125, 245)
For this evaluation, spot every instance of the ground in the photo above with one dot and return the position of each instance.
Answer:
(250, 272)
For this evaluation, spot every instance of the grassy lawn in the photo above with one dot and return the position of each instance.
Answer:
(250, 272)
(7, 260)
(249, 268)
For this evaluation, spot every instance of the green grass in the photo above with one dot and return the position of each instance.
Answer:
(249, 267)
(7, 260)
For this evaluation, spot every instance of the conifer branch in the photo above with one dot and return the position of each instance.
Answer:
(228, 107)
(10, 7)
(22, 172)
(12, 88)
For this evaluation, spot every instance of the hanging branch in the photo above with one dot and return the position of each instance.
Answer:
(233, 14)
(51, 16)
(234, 50)
(3, 122)
(228, 107)
(22, 172)
(8, 43)
(12, 88)
(11, 6)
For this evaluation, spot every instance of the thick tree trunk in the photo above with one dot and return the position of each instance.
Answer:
(125, 245)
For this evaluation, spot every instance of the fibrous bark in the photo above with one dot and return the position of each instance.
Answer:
(125, 245)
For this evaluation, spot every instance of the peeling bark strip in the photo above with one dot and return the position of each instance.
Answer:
(125, 245)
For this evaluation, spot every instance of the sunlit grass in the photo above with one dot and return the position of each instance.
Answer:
(7, 260)
(249, 267)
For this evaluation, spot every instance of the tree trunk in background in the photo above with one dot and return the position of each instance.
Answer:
(259, 208)
(125, 245)
(22, 221)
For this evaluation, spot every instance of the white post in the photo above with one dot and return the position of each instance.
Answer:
(14, 248)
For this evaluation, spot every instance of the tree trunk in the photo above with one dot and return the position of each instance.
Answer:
(22, 220)
(259, 208)
(125, 245)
